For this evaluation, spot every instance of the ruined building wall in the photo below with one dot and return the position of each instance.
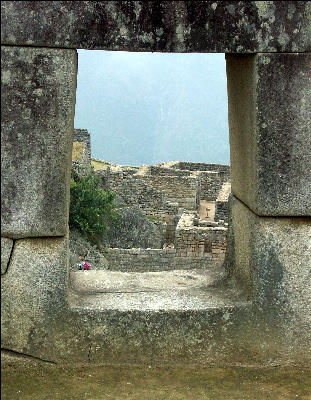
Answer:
(196, 241)
(222, 205)
(153, 203)
(163, 171)
(178, 189)
(210, 184)
(211, 176)
(140, 260)
(81, 149)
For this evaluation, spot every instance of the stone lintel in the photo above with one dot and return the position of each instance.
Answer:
(173, 26)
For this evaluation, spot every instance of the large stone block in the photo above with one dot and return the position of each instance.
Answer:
(33, 294)
(38, 99)
(210, 26)
(271, 259)
(270, 132)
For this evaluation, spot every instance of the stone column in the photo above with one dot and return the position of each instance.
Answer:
(38, 100)
(270, 141)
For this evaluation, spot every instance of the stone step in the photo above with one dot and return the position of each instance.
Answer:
(153, 317)
(105, 281)
(178, 290)
(191, 299)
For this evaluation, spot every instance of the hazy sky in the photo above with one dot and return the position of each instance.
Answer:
(144, 108)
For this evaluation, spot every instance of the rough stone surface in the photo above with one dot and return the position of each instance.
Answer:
(272, 262)
(93, 282)
(33, 293)
(134, 230)
(38, 98)
(210, 26)
(79, 247)
(270, 132)
(6, 250)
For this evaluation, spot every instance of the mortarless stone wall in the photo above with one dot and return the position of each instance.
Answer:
(143, 260)
(222, 205)
(178, 189)
(133, 191)
(197, 240)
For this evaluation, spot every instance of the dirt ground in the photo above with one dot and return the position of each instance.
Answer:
(46, 381)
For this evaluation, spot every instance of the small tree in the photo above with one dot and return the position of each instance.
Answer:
(92, 210)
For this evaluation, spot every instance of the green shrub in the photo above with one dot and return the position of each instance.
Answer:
(92, 210)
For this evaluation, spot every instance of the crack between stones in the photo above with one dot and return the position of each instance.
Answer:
(89, 354)
(28, 356)
(271, 216)
(10, 257)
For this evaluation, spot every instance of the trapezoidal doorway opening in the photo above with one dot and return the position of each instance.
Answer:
(136, 114)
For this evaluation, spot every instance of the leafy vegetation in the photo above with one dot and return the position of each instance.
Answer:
(92, 210)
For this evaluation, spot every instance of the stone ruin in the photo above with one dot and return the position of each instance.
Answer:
(259, 311)
(187, 202)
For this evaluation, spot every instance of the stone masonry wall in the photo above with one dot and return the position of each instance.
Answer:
(196, 241)
(81, 152)
(163, 171)
(211, 176)
(143, 260)
(182, 190)
(195, 247)
(210, 184)
(197, 166)
(153, 203)
(140, 260)
(222, 206)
